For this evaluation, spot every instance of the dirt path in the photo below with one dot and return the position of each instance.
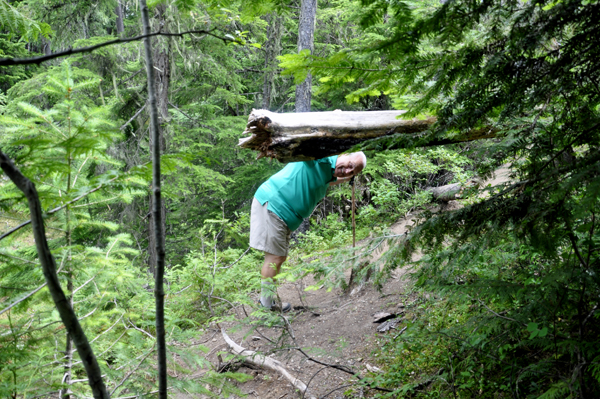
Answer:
(336, 328)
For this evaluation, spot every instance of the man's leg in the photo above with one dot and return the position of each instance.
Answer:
(270, 269)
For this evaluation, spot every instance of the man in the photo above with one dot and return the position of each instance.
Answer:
(282, 202)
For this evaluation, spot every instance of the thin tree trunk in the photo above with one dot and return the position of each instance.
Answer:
(47, 45)
(62, 303)
(66, 391)
(162, 77)
(159, 294)
(119, 12)
(272, 50)
(306, 38)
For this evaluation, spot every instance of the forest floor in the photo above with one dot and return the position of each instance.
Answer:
(332, 327)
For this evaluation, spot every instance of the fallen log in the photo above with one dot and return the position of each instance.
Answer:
(452, 191)
(291, 137)
(445, 193)
(259, 360)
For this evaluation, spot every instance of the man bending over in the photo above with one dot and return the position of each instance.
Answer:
(282, 202)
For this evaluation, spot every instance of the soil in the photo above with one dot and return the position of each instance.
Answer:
(332, 327)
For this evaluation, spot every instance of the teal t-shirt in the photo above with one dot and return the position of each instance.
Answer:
(295, 190)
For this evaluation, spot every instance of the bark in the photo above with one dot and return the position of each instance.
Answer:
(62, 303)
(47, 46)
(65, 393)
(294, 137)
(306, 38)
(272, 49)
(162, 77)
(159, 294)
(119, 12)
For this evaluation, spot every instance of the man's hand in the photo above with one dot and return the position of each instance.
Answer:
(340, 180)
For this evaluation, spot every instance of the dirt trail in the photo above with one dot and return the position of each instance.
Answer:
(336, 328)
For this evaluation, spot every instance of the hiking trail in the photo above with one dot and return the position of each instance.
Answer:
(334, 328)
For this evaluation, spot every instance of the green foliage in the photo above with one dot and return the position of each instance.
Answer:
(64, 148)
(11, 48)
(218, 278)
(518, 264)
(514, 308)
(15, 21)
(399, 179)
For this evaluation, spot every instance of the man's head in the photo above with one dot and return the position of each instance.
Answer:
(349, 165)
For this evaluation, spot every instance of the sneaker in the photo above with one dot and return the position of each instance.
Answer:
(285, 307)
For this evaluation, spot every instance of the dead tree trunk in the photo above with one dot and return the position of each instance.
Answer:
(294, 137)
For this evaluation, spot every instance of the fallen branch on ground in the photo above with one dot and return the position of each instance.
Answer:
(259, 360)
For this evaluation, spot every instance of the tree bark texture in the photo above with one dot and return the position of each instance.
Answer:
(119, 12)
(159, 238)
(306, 38)
(162, 78)
(62, 303)
(272, 49)
(292, 137)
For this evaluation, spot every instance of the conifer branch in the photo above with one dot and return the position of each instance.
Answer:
(133, 117)
(67, 315)
(18, 301)
(58, 208)
(132, 371)
(89, 49)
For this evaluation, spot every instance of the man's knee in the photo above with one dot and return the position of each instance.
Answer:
(272, 265)
(277, 260)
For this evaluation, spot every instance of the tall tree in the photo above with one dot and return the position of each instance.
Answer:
(306, 38)
(272, 51)
(162, 75)
(119, 21)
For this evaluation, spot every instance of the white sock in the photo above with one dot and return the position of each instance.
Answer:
(266, 294)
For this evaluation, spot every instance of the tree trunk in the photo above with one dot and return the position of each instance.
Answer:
(272, 50)
(294, 137)
(119, 12)
(62, 303)
(159, 238)
(306, 38)
(162, 76)
(47, 46)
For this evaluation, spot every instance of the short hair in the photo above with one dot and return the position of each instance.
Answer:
(363, 159)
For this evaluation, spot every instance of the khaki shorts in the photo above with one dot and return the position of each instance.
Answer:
(268, 233)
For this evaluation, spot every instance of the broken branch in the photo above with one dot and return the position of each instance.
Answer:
(256, 359)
